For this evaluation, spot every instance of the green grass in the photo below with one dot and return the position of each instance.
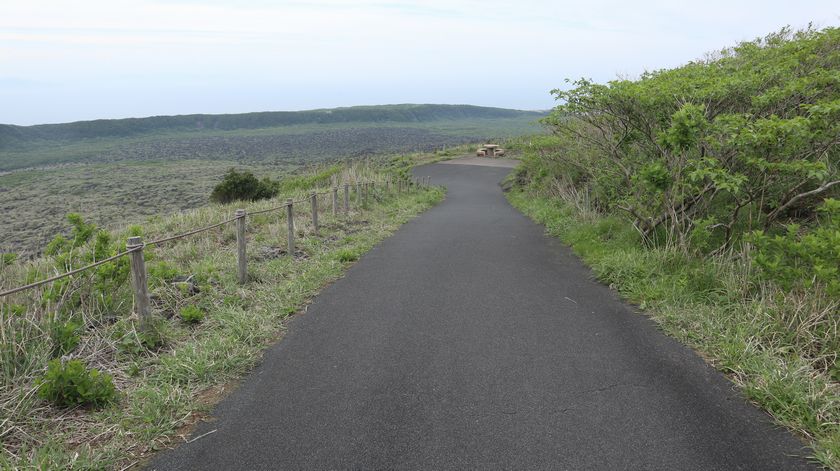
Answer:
(777, 347)
(168, 387)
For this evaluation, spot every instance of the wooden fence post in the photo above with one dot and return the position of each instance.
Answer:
(346, 198)
(428, 181)
(358, 195)
(241, 257)
(366, 190)
(290, 219)
(142, 303)
(314, 199)
(335, 201)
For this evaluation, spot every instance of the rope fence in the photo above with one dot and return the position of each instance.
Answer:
(187, 234)
(65, 275)
(135, 245)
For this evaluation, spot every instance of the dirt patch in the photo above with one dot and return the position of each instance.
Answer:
(270, 253)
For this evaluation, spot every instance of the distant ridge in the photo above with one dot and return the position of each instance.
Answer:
(13, 135)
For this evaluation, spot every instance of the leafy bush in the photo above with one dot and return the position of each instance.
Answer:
(64, 336)
(243, 186)
(744, 140)
(162, 271)
(86, 244)
(71, 383)
(192, 314)
(799, 260)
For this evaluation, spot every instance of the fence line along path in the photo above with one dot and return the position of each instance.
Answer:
(135, 245)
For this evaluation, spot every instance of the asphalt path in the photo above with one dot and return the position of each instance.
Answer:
(470, 340)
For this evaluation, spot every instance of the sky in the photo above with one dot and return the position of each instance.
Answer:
(88, 59)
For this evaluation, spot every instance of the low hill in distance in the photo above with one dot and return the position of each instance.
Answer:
(126, 170)
(19, 136)
(259, 137)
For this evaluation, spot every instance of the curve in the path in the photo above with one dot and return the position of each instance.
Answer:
(470, 340)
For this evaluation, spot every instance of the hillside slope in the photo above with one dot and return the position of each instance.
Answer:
(12, 136)
(260, 138)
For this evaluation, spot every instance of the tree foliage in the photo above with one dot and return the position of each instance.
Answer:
(243, 186)
(744, 140)
(699, 156)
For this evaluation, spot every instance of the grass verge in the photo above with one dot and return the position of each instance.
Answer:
(759, 336)
(166, 385)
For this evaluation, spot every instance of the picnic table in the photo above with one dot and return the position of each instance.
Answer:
(489, 150)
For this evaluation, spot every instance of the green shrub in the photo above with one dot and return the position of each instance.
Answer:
(799, 260)
(8, 258)
(64, 336)
(707, 151)
(243, 186)
(162, 271)
(192, 314)
(71, 383)
(87, 244)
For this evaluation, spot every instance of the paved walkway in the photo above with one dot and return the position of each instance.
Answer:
(483, 161)
(469, 340)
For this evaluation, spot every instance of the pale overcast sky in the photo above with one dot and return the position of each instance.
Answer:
(71, 60)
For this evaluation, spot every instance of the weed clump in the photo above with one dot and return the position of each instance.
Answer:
(8, 258)
(347, 255)
(71, 383)
(65, 337)
(192, 315)
(135, 341)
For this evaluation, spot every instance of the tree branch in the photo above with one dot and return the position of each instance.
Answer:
(775, 213)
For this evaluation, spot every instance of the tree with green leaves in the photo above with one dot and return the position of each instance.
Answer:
(745, 140)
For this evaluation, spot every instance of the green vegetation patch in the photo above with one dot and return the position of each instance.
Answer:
(779, 348)
(243, 186)
(71, 383)
(139, 386)
(709, 195)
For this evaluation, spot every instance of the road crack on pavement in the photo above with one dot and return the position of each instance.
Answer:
(578, 394)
